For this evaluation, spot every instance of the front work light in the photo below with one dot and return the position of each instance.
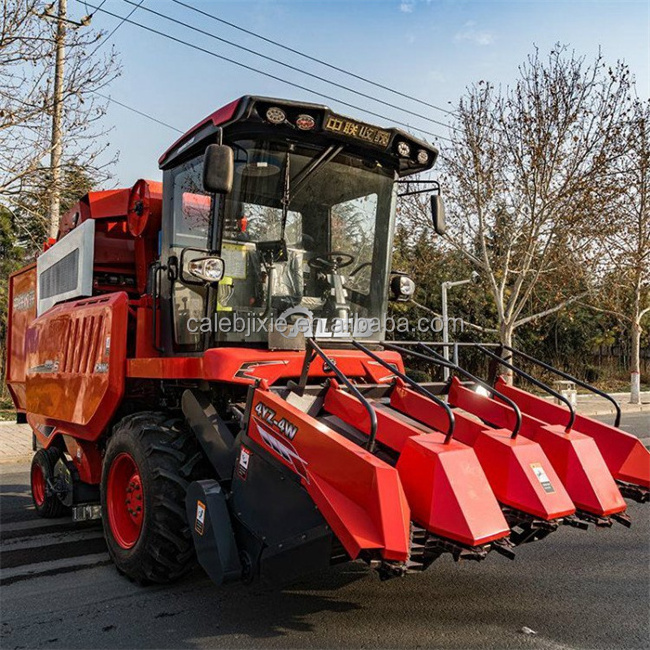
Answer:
(208, 269)
(402, 288)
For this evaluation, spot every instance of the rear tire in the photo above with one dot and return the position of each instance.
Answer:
(47, 503)
(149, 462)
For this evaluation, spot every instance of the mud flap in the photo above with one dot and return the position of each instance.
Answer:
(214, 540)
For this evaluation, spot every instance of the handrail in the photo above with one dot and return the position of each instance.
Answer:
(370, 445)
(569, 377)
(441, 361)
(480, 382)
(415, 385)
(536, 382)
(155, 270)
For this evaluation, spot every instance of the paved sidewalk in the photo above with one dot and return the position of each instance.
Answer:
(590, 404)
(15, 442)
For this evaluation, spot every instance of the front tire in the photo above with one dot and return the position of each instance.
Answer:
(149, 462)
(46, 502)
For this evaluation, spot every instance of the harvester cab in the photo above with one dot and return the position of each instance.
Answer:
(296, 205)
(204, 364)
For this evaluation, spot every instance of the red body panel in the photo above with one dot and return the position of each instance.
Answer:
(360, 496)
(446, 488)
(22, 311)
(76, 355)
(627, 458)
(574, 457)
(224, 114)
(510, 464)
(245, 365)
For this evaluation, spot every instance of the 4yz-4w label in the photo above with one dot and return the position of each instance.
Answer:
(283, 425)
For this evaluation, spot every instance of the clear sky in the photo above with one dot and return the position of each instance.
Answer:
(430, 49)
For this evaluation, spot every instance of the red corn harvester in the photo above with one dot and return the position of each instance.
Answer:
(158, 350)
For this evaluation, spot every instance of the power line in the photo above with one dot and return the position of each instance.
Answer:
(271, 76)
(100, 6)
(108, 38)
(291, 67)
(135, 110)
(313, 58)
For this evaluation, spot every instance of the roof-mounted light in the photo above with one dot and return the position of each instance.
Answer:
(305, 122)
(276, 115)
(403, 149)
(423, 157)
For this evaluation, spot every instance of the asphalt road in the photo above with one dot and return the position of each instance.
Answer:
(636, 423)
(576, 589)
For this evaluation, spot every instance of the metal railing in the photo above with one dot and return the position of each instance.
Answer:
(311, 351)
(569, 377)
(411, 382)
(433, 357)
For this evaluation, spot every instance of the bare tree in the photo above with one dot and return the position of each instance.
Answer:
(528, 179)
(625, 253)
(26, 102)
(24, 44)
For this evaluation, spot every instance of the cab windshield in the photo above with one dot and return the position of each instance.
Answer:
(305, 231)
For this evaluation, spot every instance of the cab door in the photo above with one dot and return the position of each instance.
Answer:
(186, 224)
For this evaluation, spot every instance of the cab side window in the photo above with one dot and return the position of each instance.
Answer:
(191, 207)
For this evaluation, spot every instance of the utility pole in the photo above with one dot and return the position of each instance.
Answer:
(57, 119)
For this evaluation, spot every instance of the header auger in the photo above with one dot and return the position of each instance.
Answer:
(158, 350)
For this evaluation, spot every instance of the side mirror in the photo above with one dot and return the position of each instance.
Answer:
(438, 214)
(218, 169)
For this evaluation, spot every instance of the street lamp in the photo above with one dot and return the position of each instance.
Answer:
(475, 278)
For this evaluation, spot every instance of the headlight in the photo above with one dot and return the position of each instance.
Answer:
(209, 269)
(423, 157)
(402, 287)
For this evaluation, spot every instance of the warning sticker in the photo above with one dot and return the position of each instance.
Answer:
(244, 459)
(542, 477)
(199, 524)
(234, 258)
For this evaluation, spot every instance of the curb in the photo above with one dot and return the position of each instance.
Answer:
(625, 410)
(16, 460)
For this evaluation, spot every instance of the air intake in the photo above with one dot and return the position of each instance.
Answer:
(66, 269)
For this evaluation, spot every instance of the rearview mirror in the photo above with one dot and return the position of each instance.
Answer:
(218, 169)
(438, 214)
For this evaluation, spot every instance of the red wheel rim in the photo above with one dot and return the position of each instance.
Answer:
(125, 500)
(38, 484)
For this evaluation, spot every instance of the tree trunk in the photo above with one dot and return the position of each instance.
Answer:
(635, 364)
(505, 337)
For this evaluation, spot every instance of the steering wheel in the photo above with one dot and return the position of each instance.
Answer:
(331, 261)
(360, 268)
